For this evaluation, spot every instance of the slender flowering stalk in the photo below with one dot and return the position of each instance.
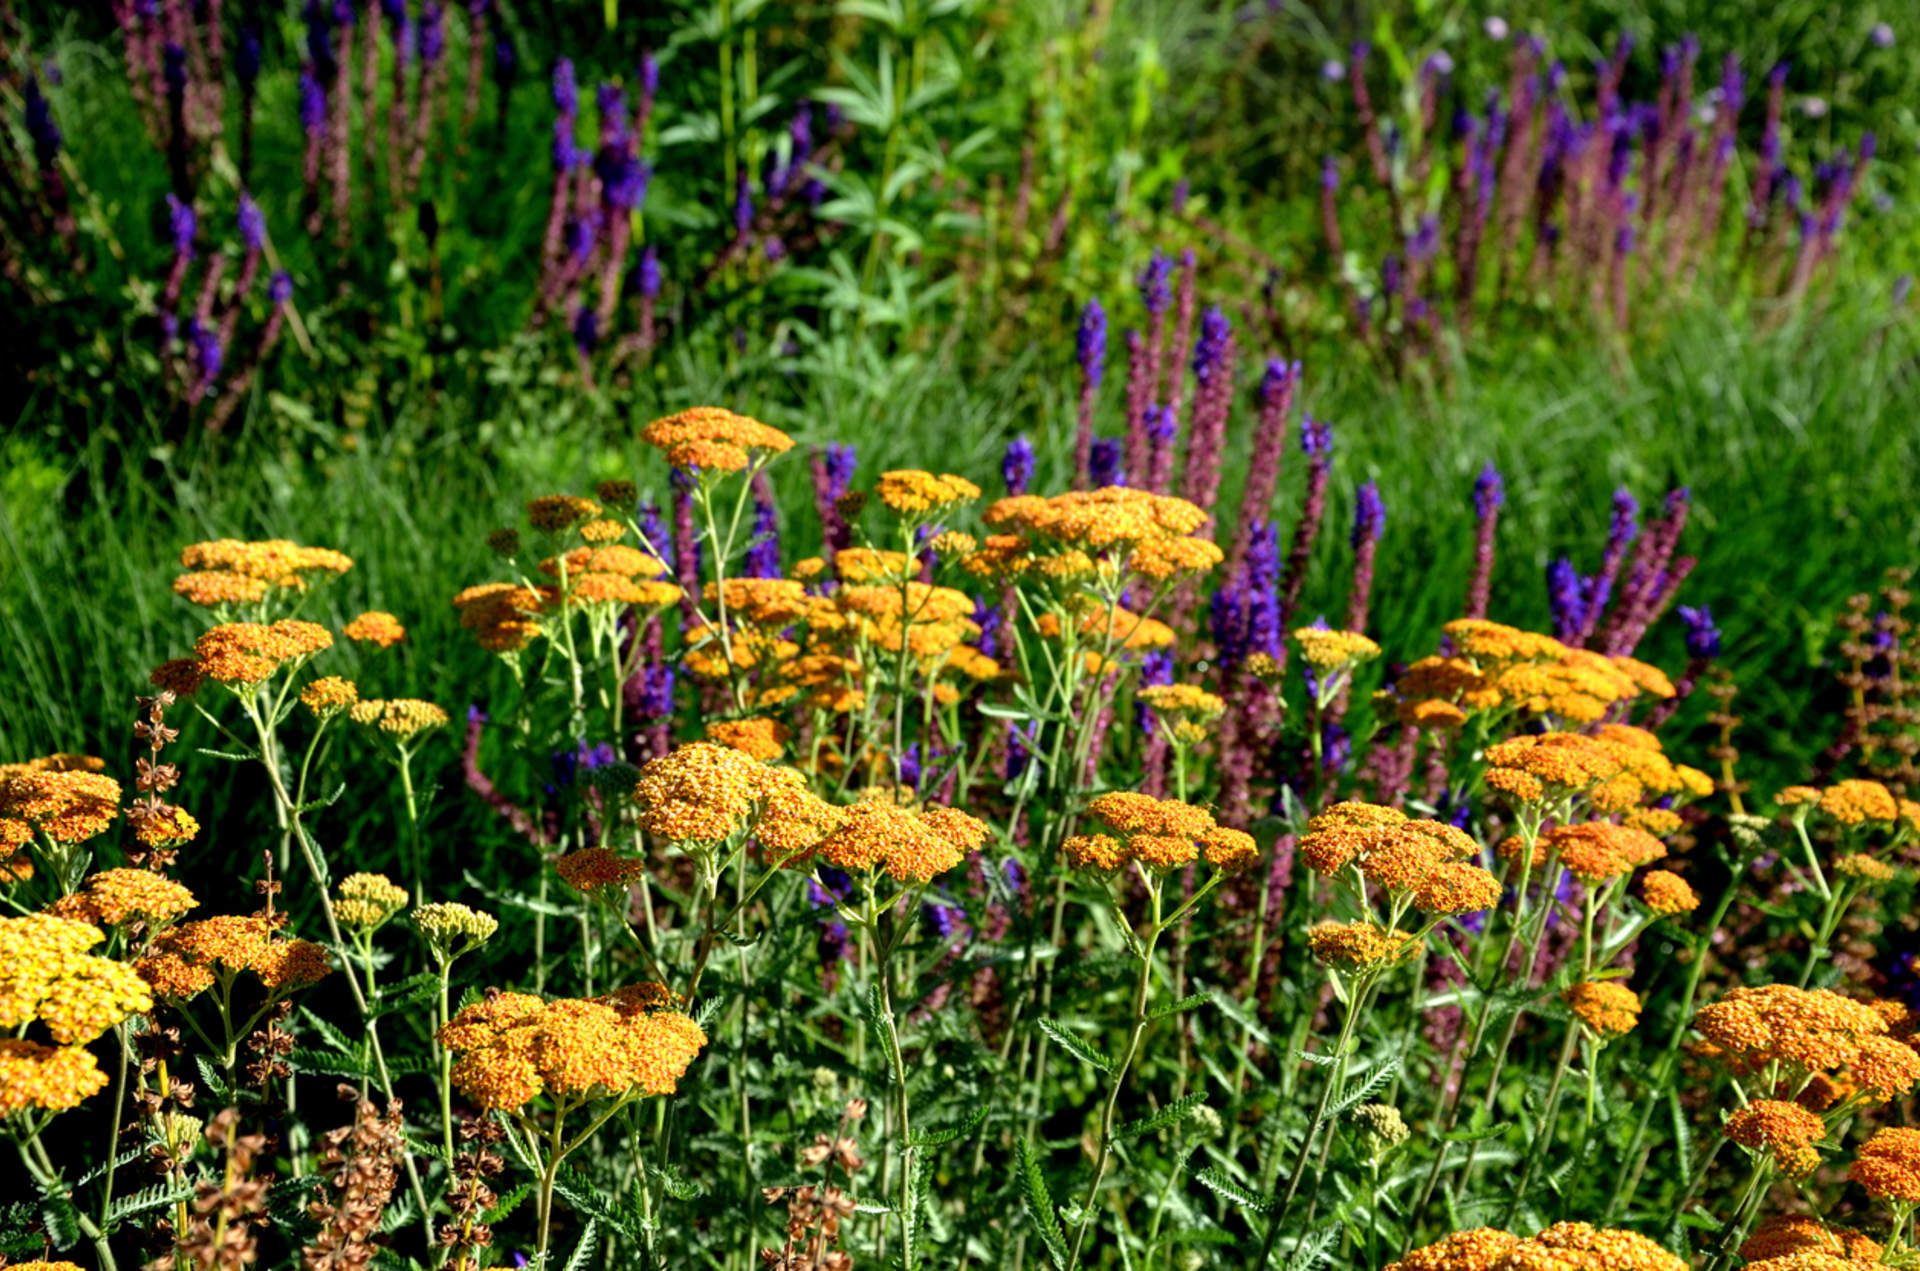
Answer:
(1316, 441)
(1213, 367)
(1175, 382)
(1369, 518)
(1016, 465)
(1489, 495)
(1277, 387)
(1090, 348)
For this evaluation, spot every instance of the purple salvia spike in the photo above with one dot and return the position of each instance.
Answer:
(1269, 445)
(1369, 518)
(1090, 348)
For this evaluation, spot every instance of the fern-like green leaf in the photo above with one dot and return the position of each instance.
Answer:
(1039, 1205)
(1227, 1189)
(1085, 1052)
(1173, 1114)
(583, 1252)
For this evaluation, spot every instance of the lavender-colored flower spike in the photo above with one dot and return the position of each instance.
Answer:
(1489, 491)
(313, 104)
(650, 272)
(280, 290)
(1703, 637)
(253, 224)
(566, 92)
(649, 74)
(1316, 437)
(1215, 332)
(763, 558)
(566, 154)
(430, 36)
(1103, 463)
(1016, 465)
(586, 330)
(840, 465)
(1155, 289)
(1369, 513)
(1566, 598)
(181, 225)
(1369, 518)
(742, 203)
(1090, 343)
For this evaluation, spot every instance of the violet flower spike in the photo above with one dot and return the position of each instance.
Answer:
(1017, 464)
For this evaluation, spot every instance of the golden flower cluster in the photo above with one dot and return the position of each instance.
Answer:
(1543, 767)
(1866, 870)
(1783, 1235)
(46, 974)
(116, 896)
(328, 695)
(51, 1078)
(758, 738)
(592, 869)
(1064, 540)
(1429, 860)
(1494, 667)
(375, 627)
(503, 617)
(1579, 1246)
(1327, 650)
(242, 654)
(188, 959)
(453, 928)
(230, 572)
(366, 901)
(1856, 802)
(908, 845)
(64, 797)
(1596, 851)
(1608, 1007)
(401, 718)
(1158, 834)
(514, 1047)
(705, 794)
(1888, 1165)
(1565, 1246)
(1806, 1032)
(1358, 946)
(1772, 1125)
(1666, 893)
(912, 491)
(713, 438)
(1479, 1249)
(611, 574)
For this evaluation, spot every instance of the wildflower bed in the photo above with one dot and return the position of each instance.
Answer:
(977, 891)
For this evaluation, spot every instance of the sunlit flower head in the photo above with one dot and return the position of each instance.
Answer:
(114, 897)
(366, 901)
(402, 718)
(375, 627)
(1608, 1007)
(46, 974)
(51, 1078)
(514, 1047)
(1666, 893)
(1771, 1125)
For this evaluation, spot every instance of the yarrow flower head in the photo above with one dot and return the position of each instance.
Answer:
(452, 929)
(367, 901)
(117, 897)
(712, 438)
(190, 958)
(1608, 1007)
(1888, 1166)
(375, 627)
(329, 695)
(1667, 894)
(401, 718)
(1771, 1125)
(47, 975)
(49, 1078)
(513, 1048)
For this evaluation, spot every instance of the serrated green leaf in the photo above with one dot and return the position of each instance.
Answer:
(1227, 1189)
(1039, 1206)
(508, 1203)
(1171, 1115)
(940, 1138)
(583, 1251)
(1184, 1004)
(883, 1030)
(1375, 1082)
(1085, 1052)
(156, 1197)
